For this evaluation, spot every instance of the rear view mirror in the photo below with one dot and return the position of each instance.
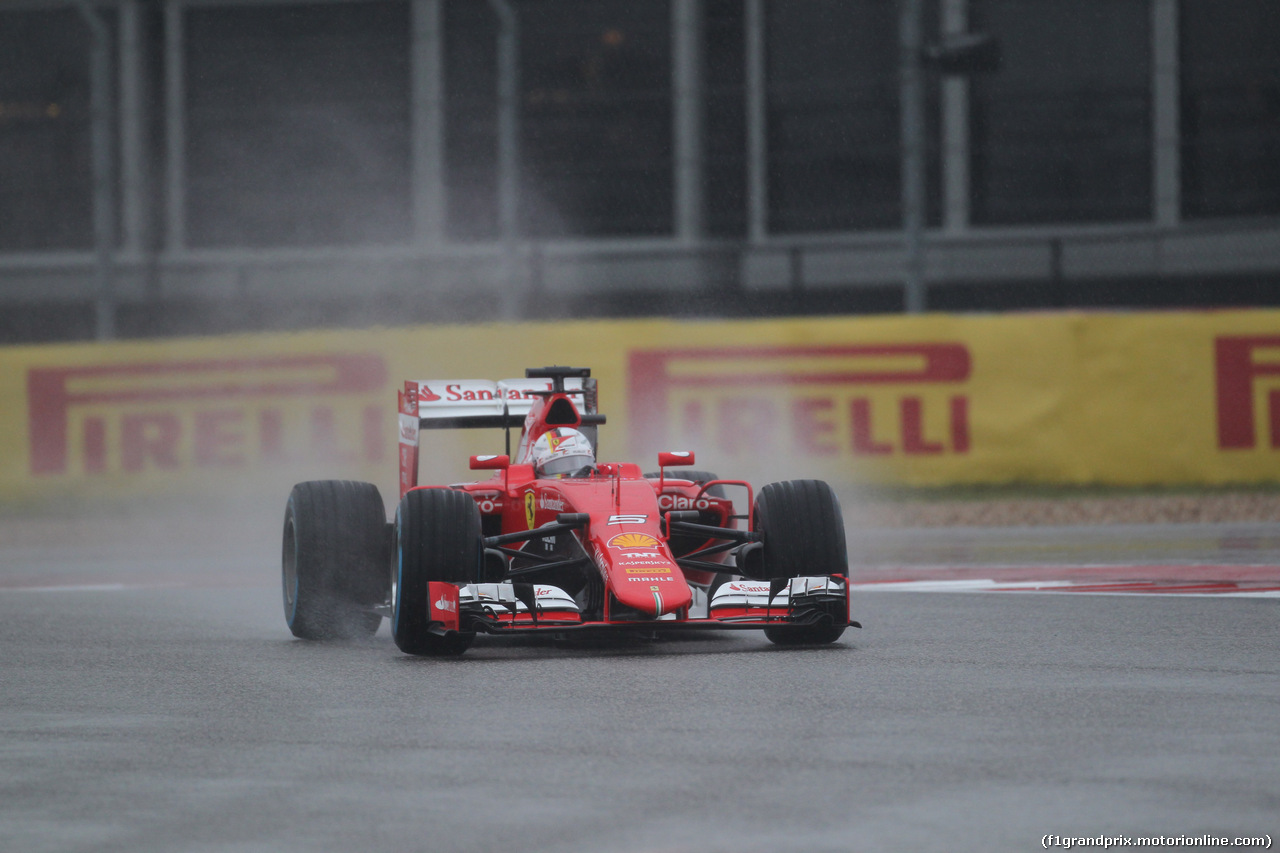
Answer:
(674, 458)
(490, 463)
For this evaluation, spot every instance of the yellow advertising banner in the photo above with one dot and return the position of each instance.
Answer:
(1059, 398)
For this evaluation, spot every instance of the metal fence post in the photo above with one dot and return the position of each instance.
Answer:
(508, 147)
(911, 69)
(104, 178)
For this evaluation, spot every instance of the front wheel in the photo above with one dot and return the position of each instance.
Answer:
(808, 635)
(437, 539)
(803, 531)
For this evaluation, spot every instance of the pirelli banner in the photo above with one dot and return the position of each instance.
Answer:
(1069, 398)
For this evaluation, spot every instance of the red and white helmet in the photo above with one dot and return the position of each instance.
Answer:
(561, 451)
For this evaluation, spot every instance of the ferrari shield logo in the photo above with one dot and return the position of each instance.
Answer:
(528, 509)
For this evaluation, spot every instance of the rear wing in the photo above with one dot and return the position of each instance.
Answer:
(478, 404)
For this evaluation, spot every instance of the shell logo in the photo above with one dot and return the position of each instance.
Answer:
(633, 540)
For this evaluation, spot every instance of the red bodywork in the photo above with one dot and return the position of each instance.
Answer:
(624, 536)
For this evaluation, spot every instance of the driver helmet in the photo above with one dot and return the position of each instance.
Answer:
(561, 451)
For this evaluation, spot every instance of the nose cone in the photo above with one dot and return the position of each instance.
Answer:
(650, 584)
(667, 599)
(627, 544)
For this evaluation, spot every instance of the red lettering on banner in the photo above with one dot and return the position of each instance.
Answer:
(753, 397)
(960, 424)
(149, 417)
(324, 434)
(745, 425)
(913, 440)
(150, 438)
(95, 445)
(864, 444)
(1237, 374)
(695, 423)
(1273, 399)
(814, 428)
(217, 443)
(271, 435)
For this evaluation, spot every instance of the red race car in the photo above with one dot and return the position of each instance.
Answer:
(556, 541)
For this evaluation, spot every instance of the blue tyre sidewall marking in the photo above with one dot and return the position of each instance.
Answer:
(293, 611)
(399, 591)
(292, 600)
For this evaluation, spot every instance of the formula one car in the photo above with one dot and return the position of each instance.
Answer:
(555, 541)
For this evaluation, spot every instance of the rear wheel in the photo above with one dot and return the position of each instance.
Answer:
(695, 475)
(334, 558)
(437, 539)
(684, 544)
(803, 537)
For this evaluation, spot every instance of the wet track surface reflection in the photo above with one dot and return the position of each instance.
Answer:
(154, 701)
(189, 720)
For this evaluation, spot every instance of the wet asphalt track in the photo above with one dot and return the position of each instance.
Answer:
(145, 717)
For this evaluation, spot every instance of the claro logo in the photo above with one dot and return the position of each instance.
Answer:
(858, 400)
(224, 413)
(1243, 365)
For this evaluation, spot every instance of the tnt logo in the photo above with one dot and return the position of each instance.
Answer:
(1243, 365)
(232, 413)
(861, 401)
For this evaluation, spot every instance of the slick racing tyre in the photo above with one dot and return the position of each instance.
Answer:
(803, 530)
(334, 560)
(803, 536)
(805, 635)
(437, 539)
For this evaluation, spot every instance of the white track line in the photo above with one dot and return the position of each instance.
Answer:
(94, 587)
(1072, 587)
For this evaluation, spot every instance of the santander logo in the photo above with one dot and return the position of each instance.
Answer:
(447, 605)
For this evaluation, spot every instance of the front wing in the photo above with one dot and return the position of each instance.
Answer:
(504, 608)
